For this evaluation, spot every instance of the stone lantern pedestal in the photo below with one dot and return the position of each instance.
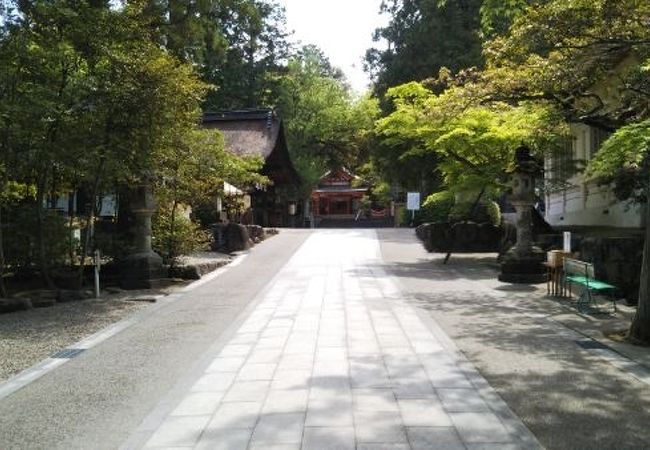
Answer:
(144, 268)
(523, 263)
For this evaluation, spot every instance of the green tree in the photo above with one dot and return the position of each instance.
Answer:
(473, 144)
(624, 162)
(326, 125)
(192, 173)
(91, 100)
(422, 37)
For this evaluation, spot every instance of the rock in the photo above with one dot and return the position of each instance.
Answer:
(39, 298)
(8, 305)
(256, 233)
(236, 237)
(65, 296)
(114, 290)
(195, 271)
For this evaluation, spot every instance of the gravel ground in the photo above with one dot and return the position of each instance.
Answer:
(28, 337)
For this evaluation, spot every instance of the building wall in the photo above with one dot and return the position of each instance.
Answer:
(577, 203)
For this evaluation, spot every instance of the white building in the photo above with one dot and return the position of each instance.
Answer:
(571, 201)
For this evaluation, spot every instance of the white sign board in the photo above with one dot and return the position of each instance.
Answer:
(413, 201)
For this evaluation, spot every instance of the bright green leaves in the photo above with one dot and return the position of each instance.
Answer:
(474, 143)
(627, 149)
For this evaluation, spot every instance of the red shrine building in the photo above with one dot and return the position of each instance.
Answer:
(336, 197)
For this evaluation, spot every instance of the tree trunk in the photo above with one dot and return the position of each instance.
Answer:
(640, 328)
(172, 236)
(90, 219)
(42, 255)
(71, 217)
(3, 289)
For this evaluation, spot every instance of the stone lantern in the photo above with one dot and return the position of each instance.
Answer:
(143, 268)
(523, 263)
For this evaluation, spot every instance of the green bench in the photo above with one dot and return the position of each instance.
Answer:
(582, 273)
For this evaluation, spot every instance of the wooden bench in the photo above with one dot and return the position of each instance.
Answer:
(582, 273)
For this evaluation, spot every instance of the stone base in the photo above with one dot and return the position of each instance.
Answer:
(141, 271)
(526, 269)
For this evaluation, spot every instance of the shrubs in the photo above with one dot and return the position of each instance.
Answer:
(21, 238)
(173, 237)
(441, 207)
(436, 207)
(485, 212)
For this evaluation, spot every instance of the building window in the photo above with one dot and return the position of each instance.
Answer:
(598, 137)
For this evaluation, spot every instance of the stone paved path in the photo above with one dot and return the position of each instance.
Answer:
(334, 357)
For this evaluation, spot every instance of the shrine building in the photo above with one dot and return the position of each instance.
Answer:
(336, 196)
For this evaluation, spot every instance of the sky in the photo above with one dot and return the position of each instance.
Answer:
(341, 28)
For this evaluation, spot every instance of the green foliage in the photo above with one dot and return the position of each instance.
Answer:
(326, 126)
(623, 161)
(174, 235)
(473, 144)
(90, 99)
(441, 207)
(21, 249)
(483, 212)
(423, 37)
(381, 194)
(585, 56)
(235, 45)
(498, 15)
(436, 207)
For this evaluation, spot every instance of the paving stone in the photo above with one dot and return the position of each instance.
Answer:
(272, 342)
(230, 364)
(462, 400)
(198, 404)
(423, 412)
(247, 391)
(266, 446)
(501, 446)
(383, 446)
(275, 333)
(265, 356)
(412, 387)
(379, 427)
(178, 432)
(337, 383)
(244, 338)
(331, 354)
(291, 379)
(236, 415)
(334, 411)
(479, 427)
(256, 371)
(329, 438)
(296, 362)
(214, 382)
(374, 400)
(300, 348)
(439, 438)
(331, 369)
(446, 376)
(279, 429)
(224, 439)
(369, 373)
(331, 358)
(236, 350)
(286, 401)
